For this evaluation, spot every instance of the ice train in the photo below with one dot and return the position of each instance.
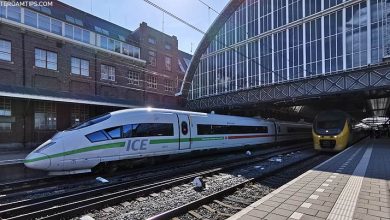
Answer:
(131, 134)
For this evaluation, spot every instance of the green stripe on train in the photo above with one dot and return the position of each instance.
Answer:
(118, 145)
(77, 151)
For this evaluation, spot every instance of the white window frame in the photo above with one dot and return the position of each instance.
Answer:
(152, 58)
(134, 78)
(48, 113)
(168, 65)
(45, 60)
(168, 85)
(4, 50)
(107, 72)
(151, 81)
(5, 110)
(81, 66)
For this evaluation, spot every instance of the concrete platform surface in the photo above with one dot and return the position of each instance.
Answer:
(354, 184)
(10, 157)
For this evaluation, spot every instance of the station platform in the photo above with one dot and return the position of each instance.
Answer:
(11, 157)
(354, 184)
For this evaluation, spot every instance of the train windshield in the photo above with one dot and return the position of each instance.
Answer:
(92, 121)
(331, 124)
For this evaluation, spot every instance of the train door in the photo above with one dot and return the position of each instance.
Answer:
(277, 130)
(184, 132)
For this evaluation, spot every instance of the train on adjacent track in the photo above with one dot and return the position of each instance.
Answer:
(131, 134)
(335, 130)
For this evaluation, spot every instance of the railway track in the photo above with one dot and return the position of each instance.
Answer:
(70, 204)
(41, 186)
(229, 201)
(47, 184)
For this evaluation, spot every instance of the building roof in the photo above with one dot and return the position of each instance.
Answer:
(60, 96)
(63, 12)
(213, 30)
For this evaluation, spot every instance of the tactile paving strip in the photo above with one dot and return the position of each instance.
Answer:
(346, 203)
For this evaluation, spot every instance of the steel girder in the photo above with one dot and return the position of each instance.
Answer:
(370, 78)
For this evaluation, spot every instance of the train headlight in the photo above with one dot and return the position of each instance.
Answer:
(334, 136)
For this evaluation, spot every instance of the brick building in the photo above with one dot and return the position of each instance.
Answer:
(164, 64)
(60, 66)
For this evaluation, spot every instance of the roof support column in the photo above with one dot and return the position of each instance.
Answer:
(368, 31)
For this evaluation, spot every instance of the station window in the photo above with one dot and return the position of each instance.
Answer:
(168, 85)
(168, 63)
(45, 59)
(151, 81)
(45, 116)
(133, 78)
(5, 110)
(152, 58)
(43, 22)
(5, 50)
(79, 66)
(79, 114)
(14, 13)
(2, 11)
(30, 18)
(151, 40)
(168, 46)
(107, 72)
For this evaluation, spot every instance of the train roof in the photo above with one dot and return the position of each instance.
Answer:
(160, 110)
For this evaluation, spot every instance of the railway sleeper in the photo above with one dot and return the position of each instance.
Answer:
(238, 200)
(227, 205)
(196, 215)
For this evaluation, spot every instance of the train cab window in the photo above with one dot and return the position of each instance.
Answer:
(114, 133)
(97, 136)
(184, 128)
(127, 131)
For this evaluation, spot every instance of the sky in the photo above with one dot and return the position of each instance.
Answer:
(130, 13)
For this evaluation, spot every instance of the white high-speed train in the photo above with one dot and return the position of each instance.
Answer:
(149, 132)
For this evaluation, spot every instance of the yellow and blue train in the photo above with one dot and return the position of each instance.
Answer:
(334, 131)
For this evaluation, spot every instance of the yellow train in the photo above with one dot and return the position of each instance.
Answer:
(334, 130)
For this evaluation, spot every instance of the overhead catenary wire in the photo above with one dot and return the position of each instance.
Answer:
(211, 8)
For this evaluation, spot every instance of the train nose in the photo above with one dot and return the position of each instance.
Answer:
(37, 161)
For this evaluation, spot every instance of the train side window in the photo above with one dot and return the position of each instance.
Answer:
(230, 129)
(127, 131)
(152, 129)
(141, 130)
(97, 136)
(114, 133)
(162, 129)
(203, 129)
